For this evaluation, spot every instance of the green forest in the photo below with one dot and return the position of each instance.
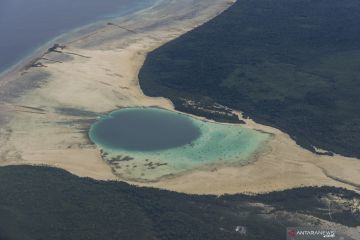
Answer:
(46, 203)
(291, 64)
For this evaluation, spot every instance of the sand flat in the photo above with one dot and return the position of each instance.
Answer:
(49, 109)
(46, 111)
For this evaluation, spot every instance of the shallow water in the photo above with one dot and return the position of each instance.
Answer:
(27, 24)
(217, 144)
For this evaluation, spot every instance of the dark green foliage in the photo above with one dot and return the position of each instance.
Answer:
(46, 203)
(292, 64)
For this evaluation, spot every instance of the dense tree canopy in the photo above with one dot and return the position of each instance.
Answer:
(292, 64)
(46, 203)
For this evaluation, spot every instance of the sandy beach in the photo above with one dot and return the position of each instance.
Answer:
(46, 110)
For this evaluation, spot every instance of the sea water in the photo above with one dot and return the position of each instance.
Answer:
(25, 25)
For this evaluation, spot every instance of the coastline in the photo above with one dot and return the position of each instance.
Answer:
(60, 107)
(68, 35)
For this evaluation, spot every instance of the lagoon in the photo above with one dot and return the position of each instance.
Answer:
(145, 129)
(177, 143)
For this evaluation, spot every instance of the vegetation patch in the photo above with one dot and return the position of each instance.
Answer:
(47, 203)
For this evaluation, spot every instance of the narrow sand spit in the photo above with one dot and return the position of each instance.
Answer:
(46, 111)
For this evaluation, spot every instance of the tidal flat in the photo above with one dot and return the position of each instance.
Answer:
(46, 111)
(147, 144)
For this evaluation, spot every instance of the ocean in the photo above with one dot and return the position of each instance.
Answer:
(26, 25)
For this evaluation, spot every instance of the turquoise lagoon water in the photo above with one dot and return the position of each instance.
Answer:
(146, 144)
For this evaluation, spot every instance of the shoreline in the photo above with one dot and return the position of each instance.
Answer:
(75, 91)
